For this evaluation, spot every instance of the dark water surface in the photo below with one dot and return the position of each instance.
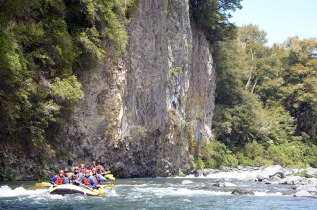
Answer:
(158, 193)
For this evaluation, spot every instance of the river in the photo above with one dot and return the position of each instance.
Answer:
(160, 193)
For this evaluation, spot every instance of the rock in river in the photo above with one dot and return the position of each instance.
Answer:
(303, 193)
(242, 192)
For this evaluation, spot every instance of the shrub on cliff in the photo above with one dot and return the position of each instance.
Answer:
(44, 45)
(212, 16)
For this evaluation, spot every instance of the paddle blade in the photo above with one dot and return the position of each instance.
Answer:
(109, 185)
(110, 176)
(40, 185)
(108, 172)
(43, 184)
(35, 188)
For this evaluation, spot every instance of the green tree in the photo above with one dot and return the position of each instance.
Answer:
(253, 40)
(212, 16)
(299, 92)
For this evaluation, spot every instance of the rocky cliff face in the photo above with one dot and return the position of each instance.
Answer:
(142, 115)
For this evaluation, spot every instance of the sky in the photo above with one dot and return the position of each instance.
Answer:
(280, 19)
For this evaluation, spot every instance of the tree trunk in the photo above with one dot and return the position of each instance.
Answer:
(251, 70)
(255, 83)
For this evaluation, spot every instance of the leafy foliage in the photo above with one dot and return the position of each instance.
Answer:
(212, 17)
(265, 106)
(43, 44)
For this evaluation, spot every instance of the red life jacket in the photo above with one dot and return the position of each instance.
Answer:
(59, 181)
(75, 176)
(96, 179)
(86, 182)
(99, 171)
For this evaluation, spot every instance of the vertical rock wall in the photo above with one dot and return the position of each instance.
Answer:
(142, 116)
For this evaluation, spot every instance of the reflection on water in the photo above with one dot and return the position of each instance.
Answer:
(163, 193)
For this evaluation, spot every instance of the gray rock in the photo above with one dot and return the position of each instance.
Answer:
(102, 160)
(265, 180)
(308, 188)
(229, 184)
(288, 192)
(223, 184)
(198, 173)
(278, 175)
(242, 192)
(260, 177)
(273, 170)
(303, 193)
(282, 181)
(312, 171)
(312, 181)
(218, 184)
(293, 180)
(206, 172)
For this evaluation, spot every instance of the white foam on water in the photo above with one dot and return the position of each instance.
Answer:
(186, 182)
(171, 191)
(56, 197)
(267, 194)
(188, 192)
(182, 177)
(239, 175)
(80, 197)
(6, 191)
(133, 185)
(111, 193)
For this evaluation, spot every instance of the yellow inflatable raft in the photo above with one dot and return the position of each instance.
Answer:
(66, 189)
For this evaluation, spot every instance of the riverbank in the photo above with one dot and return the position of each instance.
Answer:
(303, 181)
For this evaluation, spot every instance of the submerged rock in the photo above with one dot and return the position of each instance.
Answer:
(288, 192)
(242, 192)
(219, 184)
(224, 184)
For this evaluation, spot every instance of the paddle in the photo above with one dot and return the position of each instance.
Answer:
(99, 192)
(40, 185)
(43, 184)
(109, 185)
(109, 176)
